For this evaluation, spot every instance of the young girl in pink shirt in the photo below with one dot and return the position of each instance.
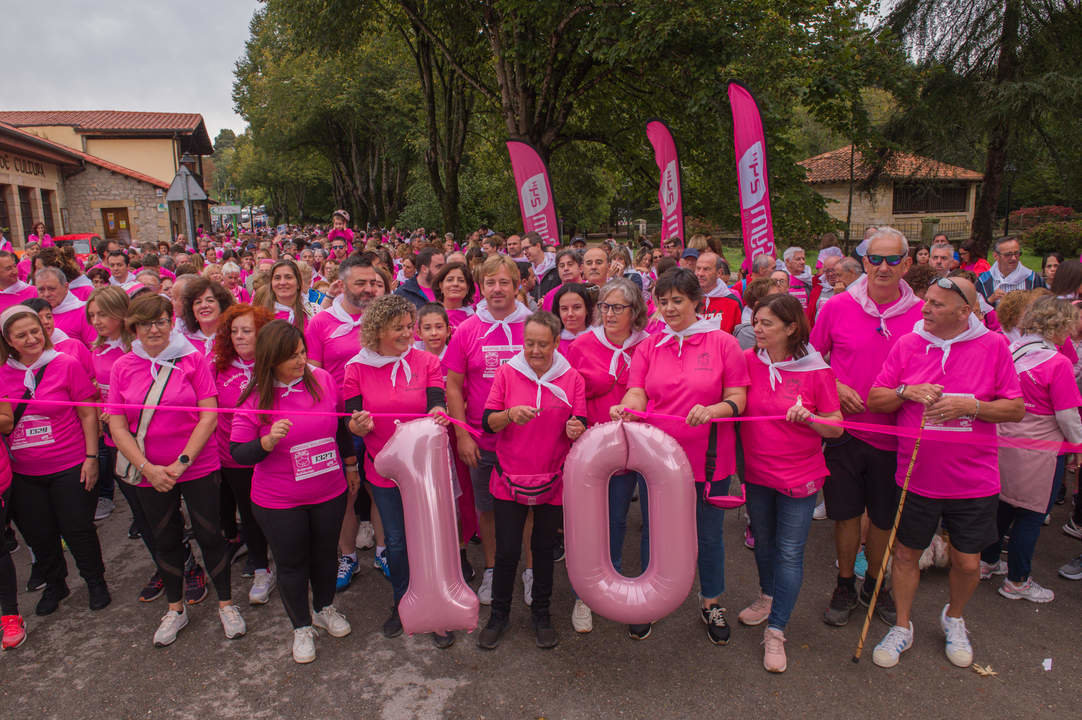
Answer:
(574, 305)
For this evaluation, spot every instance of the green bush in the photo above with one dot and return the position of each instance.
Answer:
(1064, 237)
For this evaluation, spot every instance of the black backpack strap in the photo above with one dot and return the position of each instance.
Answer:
(20, 409)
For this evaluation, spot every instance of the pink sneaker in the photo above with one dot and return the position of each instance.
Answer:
(757, 612)
(14, 631)
(774, 650)
(749, 539)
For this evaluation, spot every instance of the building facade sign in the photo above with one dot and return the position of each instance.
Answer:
(21, 165)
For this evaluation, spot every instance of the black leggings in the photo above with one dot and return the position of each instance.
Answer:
(304, 541)
(510, 521)
(9, 591)
(162, 510)
(48, 507)
(237, 495)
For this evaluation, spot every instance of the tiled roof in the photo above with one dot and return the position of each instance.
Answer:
(833, 167)
(105, 120)
(92, 159)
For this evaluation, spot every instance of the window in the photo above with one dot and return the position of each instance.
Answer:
(47, 211)
(27, 211)
(937, 198)
(5, 218)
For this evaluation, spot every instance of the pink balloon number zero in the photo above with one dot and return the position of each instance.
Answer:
(602, 451)
(418, 459)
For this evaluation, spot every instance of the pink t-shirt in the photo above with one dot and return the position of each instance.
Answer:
(593, 360)
(169, 430)
(852, 341)
(332, 354)
(74, 323)
(377, 394)
(981, 367)
(539, 446)
(102, 358)
(778, 454)
(7, 299)
(49, 438)
(202, 345)
(24, 267)
(241, 294)
(305, 467)
(77, 350)
(478, 358)
(549, 298)
(230, 383)
(457, 316)
(1050, 387)
(675, 381)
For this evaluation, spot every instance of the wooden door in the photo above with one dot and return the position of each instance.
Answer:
(116, 224)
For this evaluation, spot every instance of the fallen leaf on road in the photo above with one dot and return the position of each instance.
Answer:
(985, 671)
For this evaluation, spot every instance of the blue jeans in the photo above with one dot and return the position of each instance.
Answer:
(781, 525)
(709, 521)
(389, 502)
(621, 488)
(1024, 527)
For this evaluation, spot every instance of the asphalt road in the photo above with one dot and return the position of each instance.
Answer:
(82, 665)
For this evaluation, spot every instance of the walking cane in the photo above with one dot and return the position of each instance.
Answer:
(890, 545)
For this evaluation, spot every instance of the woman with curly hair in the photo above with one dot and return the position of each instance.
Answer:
(202, 305)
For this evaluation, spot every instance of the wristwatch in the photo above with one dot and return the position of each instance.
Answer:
(900, 390)
(184, 460)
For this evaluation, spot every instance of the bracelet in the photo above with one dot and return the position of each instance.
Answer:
(91, 457)
(734, 406)
(351, 468)
(143, 465)
(977, 410)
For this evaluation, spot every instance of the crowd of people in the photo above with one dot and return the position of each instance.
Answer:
(321, 337)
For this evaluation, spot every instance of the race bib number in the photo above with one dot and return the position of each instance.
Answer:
(496, 355)
(314, 458)
(962, 424)
(32, 431)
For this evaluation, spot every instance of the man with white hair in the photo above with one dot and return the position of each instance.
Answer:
(823, 289)
(800, 275)
(719, 302)
(1008, 273)
(941, 257)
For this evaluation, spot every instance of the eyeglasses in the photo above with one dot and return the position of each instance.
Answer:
(614, 309)
(338, 247)
(948, 284)
(1014, 254)
(160, 323)
(877, 260)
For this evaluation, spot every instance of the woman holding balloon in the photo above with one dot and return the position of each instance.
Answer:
(693, 373)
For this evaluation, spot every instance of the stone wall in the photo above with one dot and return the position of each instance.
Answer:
(95, 188)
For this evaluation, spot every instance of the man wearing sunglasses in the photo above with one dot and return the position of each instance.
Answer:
(949, 374)
(1008, 273)
(857, 329)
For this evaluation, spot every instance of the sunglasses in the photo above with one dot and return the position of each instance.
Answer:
(877, 260)
(948, 284)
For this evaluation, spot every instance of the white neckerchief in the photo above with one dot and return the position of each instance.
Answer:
(374, 359)
(81, 281)
(566, 334)
(547, 264)
(975, 330)
(347, 323)
(122, 285)
(618, 353)
(1029, 351)
(420, 345)
(701, 326)
(16, 287)
(117, 344)
(719, 290)
(58, 336)
(70, 302)
(747, 315)
(279, 307)
(290, 387)
(518, 315)
(859, 292)
(812, 360)
(1014, 281)
(178, 347)
(244, 367)
(207, 340)
(28, 375)
(560, 365)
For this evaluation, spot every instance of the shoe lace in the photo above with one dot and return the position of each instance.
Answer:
(331, 613)
(898, 637)
(343, 564)
(231, 612)
(717, 617)
(774, 642)
(957, 631)
(306, 631)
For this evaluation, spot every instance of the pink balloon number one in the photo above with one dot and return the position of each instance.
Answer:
(608, 449)
(418, 459)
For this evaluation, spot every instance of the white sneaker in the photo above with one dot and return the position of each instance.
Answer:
(959, 650)
(898, 639)
(172, 623)
(581, 617)
(1029, 590)
(366, 536)
(527, 586)
(484, 593)
(304, 644)
(232, 622)
(262, 584)
(999, 567)
(332, 621)
(105, 508)
(820, 511)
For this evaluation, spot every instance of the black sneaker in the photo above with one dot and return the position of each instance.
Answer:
(467, 570)
(560, 552)
(249, 568)
(99, 594)
(51, 597)
(443, 641)
(475, 539)
(392, 628)
(195, 585)
(884, 604)
(10, 541)
(716, 627)
(489, 638)
(842, 604)
(640, 632)
(133, 532)
(546, 634)
(36, 581)
(153, 590)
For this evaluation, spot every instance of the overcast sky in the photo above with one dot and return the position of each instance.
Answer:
(125, 55)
